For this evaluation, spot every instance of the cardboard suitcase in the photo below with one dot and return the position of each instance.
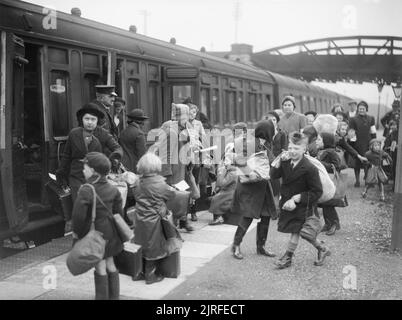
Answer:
(169, 266)
(129, 261)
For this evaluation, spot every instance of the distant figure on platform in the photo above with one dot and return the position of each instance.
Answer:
(394, 115)
(391, 147)
(291, 120)
(352, 109)
(364, 128)
(376, 174)
(311, 116)
(132, 139)
(118, 116)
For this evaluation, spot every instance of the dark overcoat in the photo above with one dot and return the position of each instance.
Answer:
(70, 169)
(253, 200)
(151, 194)
(132, 140)
(362, 125)
(303, 179)
(104, 222)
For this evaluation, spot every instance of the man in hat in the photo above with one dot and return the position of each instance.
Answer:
(352, 109)
(132, 139)
(394, 115)
(364, 127)
(105, 97)
(291, 120)
(119, 106)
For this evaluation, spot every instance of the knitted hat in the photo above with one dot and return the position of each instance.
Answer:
(97, 161)
(289, 98)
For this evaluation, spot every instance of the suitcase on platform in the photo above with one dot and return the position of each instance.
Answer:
(129, 261)
(60, 199)
(169, 266)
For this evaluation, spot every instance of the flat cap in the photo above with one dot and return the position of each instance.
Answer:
(106, 89)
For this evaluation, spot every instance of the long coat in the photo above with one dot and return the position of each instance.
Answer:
(70, 169)
(362, 125)
(151, 194)
(173, 149)
(104, 222)
(303, 179)
(226, 182)
(132, 140)
(253, 200)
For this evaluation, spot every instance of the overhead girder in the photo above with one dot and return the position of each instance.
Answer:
(310, 63)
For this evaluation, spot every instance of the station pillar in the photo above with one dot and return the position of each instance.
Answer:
(396, 240)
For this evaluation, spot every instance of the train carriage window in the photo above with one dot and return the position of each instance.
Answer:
(181, 92)
(153, 72)
(90, 81)
(230, 112)
(59, 102)
(132, 68)
(91, 61)
(267, 104)
(240, 115)
(259, 107)
(133, 94)
(215, 105)
(205, 102)
(153, 110)
(58, 55)
(252, 106)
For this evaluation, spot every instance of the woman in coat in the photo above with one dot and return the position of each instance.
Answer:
(173, 147)
(151, 193)
(95, 168)
(301, 188)
(255, 200)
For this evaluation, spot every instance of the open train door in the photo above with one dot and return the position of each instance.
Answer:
(12, 130)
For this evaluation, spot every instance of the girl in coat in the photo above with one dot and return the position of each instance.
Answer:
(301, 188)
(255, 200)
(330, 159)
(225, 189)
(151, 193)
(95, 168)
(376, 174)
(88, 137)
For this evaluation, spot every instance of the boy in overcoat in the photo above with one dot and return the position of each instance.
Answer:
(108, 202)
(301, 188)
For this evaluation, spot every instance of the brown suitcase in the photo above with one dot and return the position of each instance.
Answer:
(169, 266)
(129, 261)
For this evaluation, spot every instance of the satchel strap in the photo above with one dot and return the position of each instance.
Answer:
(93, 205)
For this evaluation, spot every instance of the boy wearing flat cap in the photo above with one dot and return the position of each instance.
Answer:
(108, 202)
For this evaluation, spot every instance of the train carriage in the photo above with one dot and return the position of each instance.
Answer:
(50, 63)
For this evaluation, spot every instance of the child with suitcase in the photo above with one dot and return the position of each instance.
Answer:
(151, 193)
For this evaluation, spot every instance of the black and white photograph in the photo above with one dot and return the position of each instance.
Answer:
(200, 154)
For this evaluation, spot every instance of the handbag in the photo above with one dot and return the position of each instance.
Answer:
(60, 199)
(88, 251)
(311, 227)
(124, 231)
(340, 181)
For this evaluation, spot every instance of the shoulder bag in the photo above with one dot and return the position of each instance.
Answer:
(88, 251)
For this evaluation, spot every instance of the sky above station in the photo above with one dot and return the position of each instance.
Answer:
(261, 23)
